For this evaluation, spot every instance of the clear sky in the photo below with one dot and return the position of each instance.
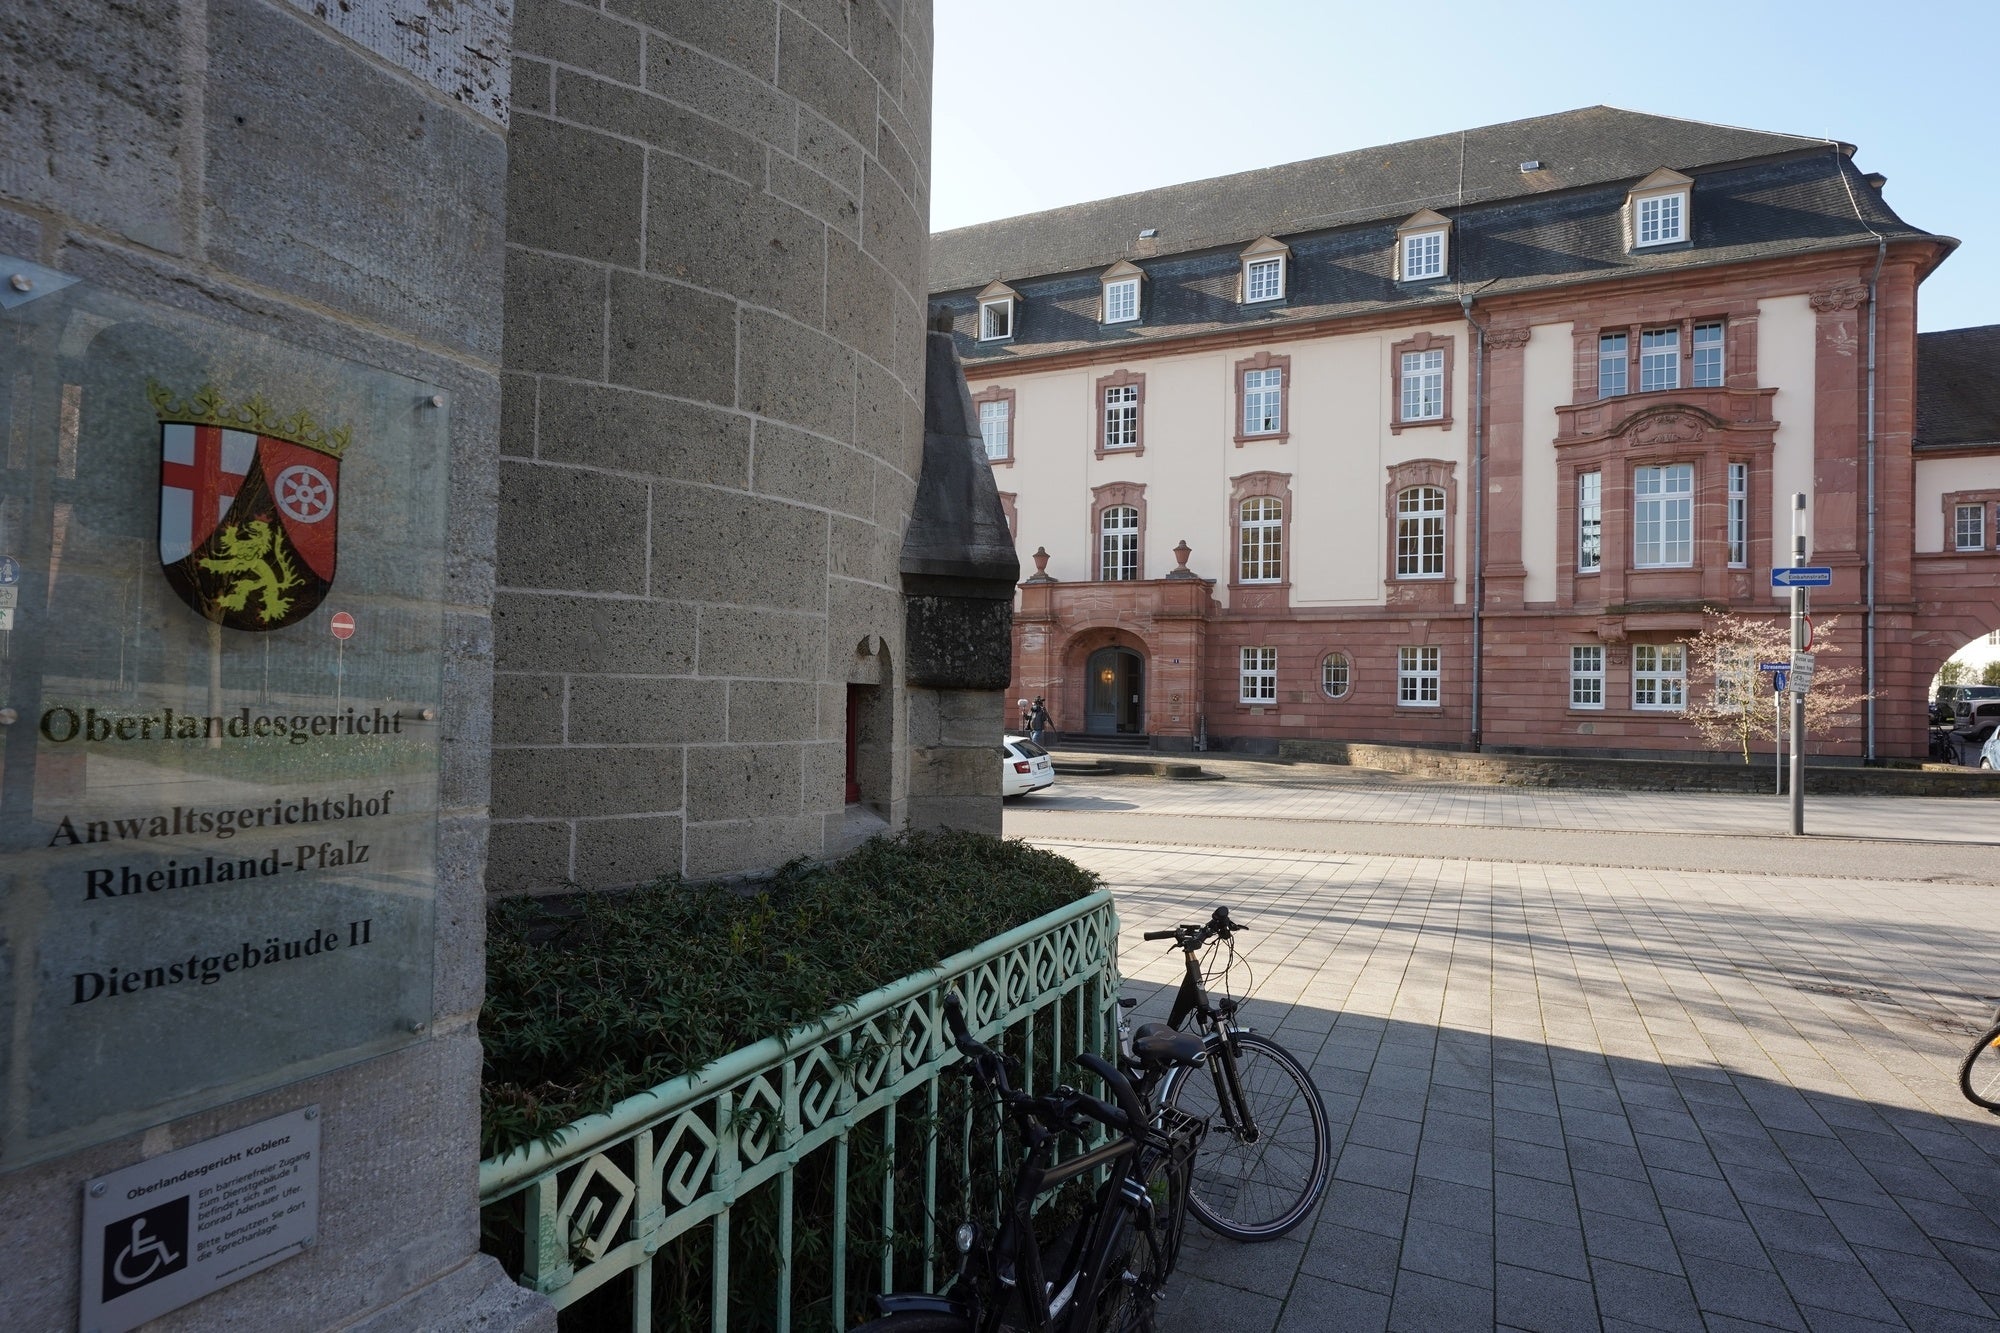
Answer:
(1041, 103)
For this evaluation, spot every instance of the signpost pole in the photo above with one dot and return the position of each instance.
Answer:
(1798, 646)
(1778, 737)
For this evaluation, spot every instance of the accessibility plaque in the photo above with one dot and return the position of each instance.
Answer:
(172, 1229)
(219, 823)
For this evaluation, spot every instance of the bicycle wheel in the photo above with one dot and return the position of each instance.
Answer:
(1979, 1076)
(915, 1321)
(1259, 1187)
(1125, 1301)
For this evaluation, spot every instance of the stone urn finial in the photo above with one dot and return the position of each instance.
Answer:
(1041, 559)
(1181, 553)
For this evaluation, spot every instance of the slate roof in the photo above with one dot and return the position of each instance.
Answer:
(1754, 195)
(1958, 388)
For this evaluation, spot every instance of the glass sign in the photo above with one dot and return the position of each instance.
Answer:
(222, 572)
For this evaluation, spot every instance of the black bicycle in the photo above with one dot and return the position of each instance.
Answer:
(1105, 1274)
(1268, 1154)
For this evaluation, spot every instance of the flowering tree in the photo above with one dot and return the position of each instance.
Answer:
(1729, 699)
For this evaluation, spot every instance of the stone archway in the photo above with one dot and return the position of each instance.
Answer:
(1093, 704)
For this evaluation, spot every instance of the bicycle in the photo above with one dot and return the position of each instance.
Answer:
(1119, 1254)
(1979, 1074)
(1268, 1156)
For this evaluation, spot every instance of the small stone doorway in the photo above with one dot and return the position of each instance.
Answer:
(1114, 695)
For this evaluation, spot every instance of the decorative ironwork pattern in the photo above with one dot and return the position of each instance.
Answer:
(613, 1190)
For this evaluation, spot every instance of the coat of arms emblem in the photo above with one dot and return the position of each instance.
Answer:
(249, 507)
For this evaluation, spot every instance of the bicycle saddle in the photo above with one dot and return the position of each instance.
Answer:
(1158, 1045)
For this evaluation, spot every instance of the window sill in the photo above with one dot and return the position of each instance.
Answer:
(1121, 451)
(1266, 437)
(1424, 708)
(1397, 425)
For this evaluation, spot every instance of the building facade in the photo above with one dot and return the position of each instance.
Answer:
(1455, 441)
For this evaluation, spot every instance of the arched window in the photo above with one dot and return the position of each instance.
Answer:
(1420, 533)
(1336, 676)
(1261, 522)
(1118, 543)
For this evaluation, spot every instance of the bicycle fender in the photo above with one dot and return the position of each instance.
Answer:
(901, 1302)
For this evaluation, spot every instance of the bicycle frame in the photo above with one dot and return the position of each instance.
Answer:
(1214, 1020)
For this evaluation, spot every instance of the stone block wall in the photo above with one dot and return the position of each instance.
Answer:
(712, 428)
(337, 183)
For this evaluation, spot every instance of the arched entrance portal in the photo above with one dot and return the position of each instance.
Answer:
(1114, 694)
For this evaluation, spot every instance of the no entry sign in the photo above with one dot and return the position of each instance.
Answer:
(342, 625)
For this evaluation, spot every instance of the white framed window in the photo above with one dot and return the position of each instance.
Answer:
(1659, 360)
(1708, 355)
(1423, 385)
(1586, 675)
(1121, 301)
(1420, 533)
(1336, 675)
(1257, 676)
(1118, 544)
(1611, 364)
(1264, 401)
(1659, 219)
(1261, 540)
(1264, 279)
(1423, 256)
(1659, 675)
(1739, 515)
(1121, 416)
(996, 319)
(1590, 521)
(1417, 677)
(1663, 516)
(995, 428)
(1969, 527)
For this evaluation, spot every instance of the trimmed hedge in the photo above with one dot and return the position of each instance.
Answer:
(594, 997)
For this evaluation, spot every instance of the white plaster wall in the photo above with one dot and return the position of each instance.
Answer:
(1786, 356)
(1338, 455)
(1547, 383)
(1052, 449)
(1936, 477)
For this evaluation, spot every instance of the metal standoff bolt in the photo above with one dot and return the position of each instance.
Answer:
(8, 717)
(437, 400)
(312, 1113)
(429, 715)
(419, 1027)
(21, 282)
(97, 1190)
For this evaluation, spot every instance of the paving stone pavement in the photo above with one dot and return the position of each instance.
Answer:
(1576, 1097)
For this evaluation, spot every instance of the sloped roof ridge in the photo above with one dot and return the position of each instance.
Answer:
(1599, 144)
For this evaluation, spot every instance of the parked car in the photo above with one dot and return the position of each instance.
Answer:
(1965, 698)
(1944, 704)
(1977, 726)
(1024, 767)
(1989, 757)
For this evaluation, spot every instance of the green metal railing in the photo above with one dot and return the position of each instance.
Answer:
(625, 1197)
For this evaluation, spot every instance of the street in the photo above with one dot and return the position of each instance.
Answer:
(1595, 1059)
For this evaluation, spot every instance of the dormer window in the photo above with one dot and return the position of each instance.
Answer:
(1264, 263)
(1659, 209)
(1422, 247)
(996, 312)
(1121, 293)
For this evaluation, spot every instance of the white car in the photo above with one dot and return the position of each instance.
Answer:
(1024, 767)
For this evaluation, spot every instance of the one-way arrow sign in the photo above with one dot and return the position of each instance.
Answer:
(1802, 576)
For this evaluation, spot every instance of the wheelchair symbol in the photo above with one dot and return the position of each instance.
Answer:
(152, 1248)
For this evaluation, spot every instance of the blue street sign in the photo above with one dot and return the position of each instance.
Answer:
(10, 570)
(1802, 576)
(1779, 679)
(1774, 666)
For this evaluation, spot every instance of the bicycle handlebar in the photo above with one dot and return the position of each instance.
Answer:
(1218, 926)
(1128, 1115)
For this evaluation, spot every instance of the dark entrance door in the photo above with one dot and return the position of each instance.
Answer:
(1117, 686)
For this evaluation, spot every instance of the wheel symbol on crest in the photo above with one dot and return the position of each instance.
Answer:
(304, 493)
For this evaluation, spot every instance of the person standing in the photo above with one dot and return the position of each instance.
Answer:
(1038, 720)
